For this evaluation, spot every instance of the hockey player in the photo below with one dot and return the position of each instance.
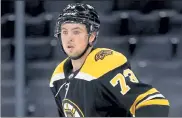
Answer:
(97, 82)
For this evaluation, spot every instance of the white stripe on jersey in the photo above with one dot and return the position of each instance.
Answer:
(55, 78)
(153, 96)
(84, 76)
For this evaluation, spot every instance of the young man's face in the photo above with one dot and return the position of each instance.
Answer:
(74, 38)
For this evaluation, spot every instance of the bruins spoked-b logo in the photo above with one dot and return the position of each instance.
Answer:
(71, 109)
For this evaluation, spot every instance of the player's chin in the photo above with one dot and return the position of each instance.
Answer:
(69, 53)
(73, 55)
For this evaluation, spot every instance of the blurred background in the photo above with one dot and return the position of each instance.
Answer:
(148, 32)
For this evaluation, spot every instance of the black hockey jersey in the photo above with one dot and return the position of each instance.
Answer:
(104, 86)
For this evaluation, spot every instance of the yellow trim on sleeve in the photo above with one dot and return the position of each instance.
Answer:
(140, 97)
(153, 102)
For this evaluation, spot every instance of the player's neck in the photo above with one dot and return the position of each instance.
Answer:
(77, 64)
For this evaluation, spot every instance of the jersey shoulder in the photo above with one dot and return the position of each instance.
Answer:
(102, 60)
(58, 73)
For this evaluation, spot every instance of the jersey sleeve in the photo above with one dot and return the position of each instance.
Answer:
(57, 75)
(123, 88)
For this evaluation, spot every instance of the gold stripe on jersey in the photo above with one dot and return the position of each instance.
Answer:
(153, 102)
(97, 67)
(140, 97)
(57, 72)
(59, 68)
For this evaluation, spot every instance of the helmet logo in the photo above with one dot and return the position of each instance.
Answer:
(70, 6)
(71, 13)
(89, 6)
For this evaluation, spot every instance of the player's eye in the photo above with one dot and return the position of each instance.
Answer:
(76, 32)
(64, 32)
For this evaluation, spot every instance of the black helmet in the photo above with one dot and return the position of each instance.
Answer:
(79, 13)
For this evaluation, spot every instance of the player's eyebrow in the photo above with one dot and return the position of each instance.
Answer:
(63, 28)
(77, 28)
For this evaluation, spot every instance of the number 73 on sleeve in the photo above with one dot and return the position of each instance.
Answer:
(120, 79)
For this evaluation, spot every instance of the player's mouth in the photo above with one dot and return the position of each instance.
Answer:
(70, 47)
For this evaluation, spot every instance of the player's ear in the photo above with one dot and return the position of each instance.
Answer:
(92, 37)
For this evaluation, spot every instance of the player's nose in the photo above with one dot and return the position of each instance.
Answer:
(70, 38)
